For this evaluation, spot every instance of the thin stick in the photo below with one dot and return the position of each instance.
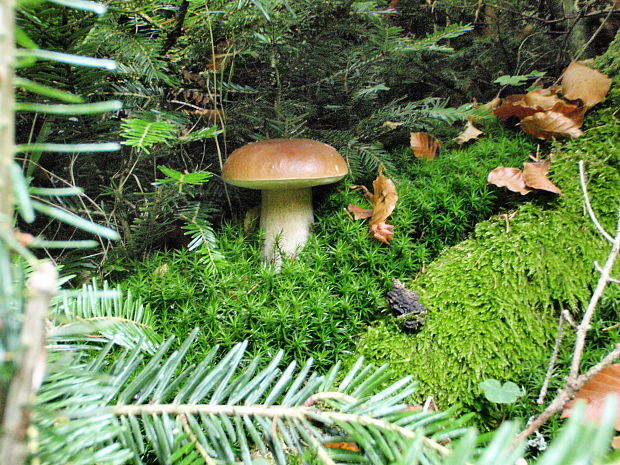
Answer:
(201, 450)
(573, 381)
(584, 326)
(586, 198)
(552, 361)
(600, 270)
(567, 394)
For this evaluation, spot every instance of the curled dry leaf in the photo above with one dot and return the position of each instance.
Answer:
(587, 84)
(514, 106)
(550, 124)
(574, 110)
(595, 391)
(359, 212)
(535, 176)
(383, 199)
(469, 133)
(424, 145)
(542, 98)
(493, 104)
(510, 178)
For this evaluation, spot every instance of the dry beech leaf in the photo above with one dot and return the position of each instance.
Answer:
(594, 392)
(514, 106)
(359, 212)
(615, 442)
(424, 145)
(510, 178)
(543, 98)
(535, 176)
(493, 104)
(470, 132)
(383, 199)
(587, 84)
(574, 110)
(550, 124)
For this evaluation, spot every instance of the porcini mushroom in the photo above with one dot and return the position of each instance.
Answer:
(285, 170)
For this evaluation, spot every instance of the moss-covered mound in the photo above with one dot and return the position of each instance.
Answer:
(493, 299)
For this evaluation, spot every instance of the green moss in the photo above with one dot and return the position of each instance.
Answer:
(493, 299)
(320, 303)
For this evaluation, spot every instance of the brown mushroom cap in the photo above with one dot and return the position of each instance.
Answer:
(284, 164)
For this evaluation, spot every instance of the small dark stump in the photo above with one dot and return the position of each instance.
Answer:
(406, 306)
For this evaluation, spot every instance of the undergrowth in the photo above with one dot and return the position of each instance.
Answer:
(319, 304)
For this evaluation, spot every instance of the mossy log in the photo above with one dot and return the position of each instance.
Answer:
(494, 299)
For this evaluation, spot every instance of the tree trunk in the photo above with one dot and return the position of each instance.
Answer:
(579, 29)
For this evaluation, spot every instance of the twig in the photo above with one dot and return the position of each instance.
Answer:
(584, 326)
(596, 33)
(174, 34)
(201, 450)
(567, 394)
(552, 361)
(569, 318)
(586, 198)
(600, 270)
(573, 381)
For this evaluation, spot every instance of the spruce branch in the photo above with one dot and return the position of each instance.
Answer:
(31, 367)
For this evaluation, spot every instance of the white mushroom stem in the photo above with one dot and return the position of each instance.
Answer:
(285, 218)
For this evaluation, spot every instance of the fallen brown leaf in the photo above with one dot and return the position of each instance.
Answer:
(581, 82)
(574, 110)
(424, 145)
(382, 231)
(359, 212)
(515, 106)
(543, 98)
(510, 178)
(493, 104)
(595, 392)
(535, 176)
(469, 133)
(550, 124)
(383, 199)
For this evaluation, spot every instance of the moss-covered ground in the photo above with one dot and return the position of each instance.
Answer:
(493, 287)
(494, 299)
(319, 304)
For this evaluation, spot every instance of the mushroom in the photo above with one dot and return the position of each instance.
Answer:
(285, 170)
